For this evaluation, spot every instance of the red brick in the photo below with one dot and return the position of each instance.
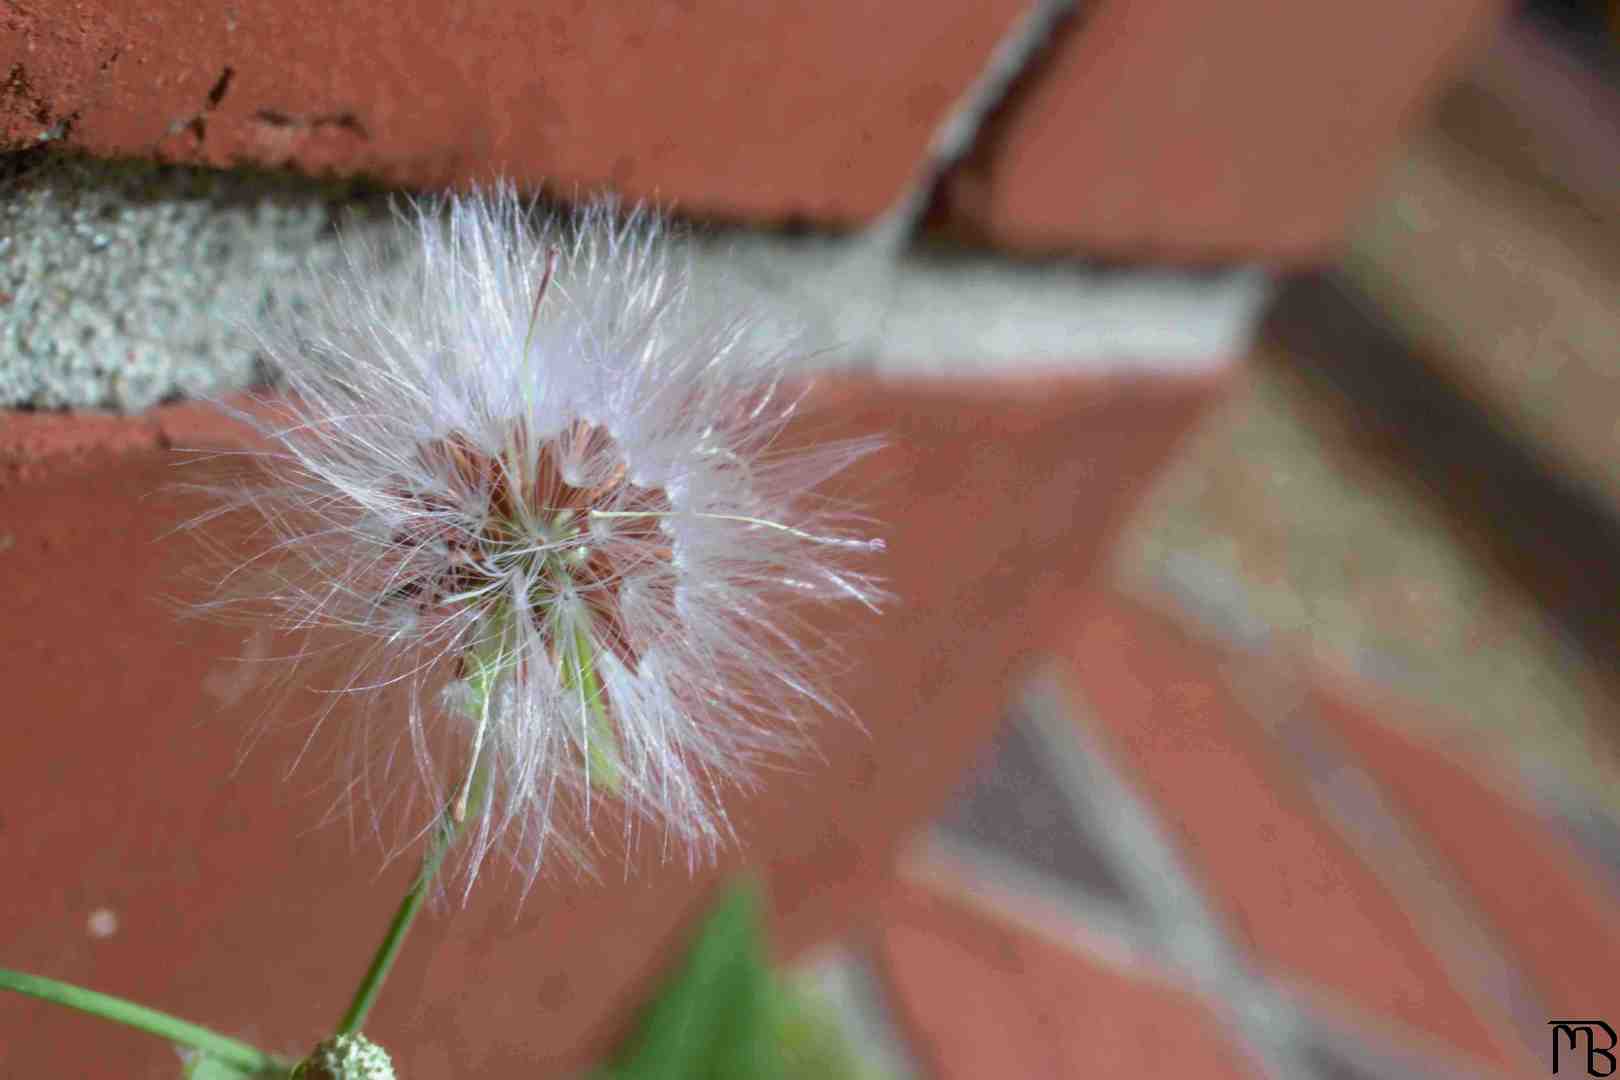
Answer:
(1287, 884)
(731, 108)
(127, 786)
(1559, 920)
(1189, 131)
(982, 995)
(1209, 129)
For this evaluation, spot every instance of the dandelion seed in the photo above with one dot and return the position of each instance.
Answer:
(559, 505)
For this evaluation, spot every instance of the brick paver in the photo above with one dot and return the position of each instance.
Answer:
(1209, 129)
(1294, 891)
(1557, 916)
(997, 500)
(983, 996)
(735, 109)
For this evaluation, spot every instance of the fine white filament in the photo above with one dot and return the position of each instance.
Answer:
(556, 499)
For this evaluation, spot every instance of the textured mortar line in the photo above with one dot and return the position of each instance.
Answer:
(893, 310)
(130, 283)
(897, 311)
(877, 257)
(1355, 804)
(969, 314)
(1014, 58)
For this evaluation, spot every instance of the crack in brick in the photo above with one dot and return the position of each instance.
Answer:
(197, 123)
(343, 121)
(221, 86)
(19, 87)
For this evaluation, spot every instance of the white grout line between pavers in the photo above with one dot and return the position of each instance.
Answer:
(1353, 802)
(1285, 1027)
(1006, 891)
(844, 976)
(1191, 941)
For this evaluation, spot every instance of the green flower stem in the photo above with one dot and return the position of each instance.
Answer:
(444, 837)
(487, 664)
(221, 1047)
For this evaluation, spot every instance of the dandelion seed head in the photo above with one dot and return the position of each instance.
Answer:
(553, 495)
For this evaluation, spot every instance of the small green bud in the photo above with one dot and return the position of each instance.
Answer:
(346, 1057)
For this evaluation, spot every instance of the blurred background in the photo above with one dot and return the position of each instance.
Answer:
(1314, 774)
(1421, 478)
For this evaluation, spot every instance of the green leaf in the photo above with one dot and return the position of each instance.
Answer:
(715, 1019)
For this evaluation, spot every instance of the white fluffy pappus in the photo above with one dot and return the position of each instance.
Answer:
(556, 500)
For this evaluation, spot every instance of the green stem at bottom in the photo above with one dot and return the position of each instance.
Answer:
(487, 661)
(444, 837)
(222, 1047)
